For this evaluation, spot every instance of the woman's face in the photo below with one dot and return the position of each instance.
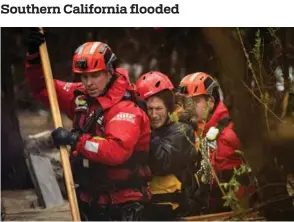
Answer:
(203, 107)
(157, 112)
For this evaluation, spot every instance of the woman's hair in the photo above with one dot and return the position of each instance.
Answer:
(168, 97)
(186, 110)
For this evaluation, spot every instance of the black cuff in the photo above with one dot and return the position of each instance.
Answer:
(75, 136)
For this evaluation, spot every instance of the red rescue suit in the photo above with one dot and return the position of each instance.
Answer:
(223, 156)
(111, 149)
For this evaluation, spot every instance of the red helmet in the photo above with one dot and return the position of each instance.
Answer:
(151, 83)
(93, 57)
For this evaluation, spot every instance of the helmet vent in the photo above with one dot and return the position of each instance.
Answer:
(196, 88)
(96, 63)
(144, 77)
(157, 84)
(82, 64)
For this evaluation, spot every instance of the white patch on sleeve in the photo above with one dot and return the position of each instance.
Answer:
(67, 86)
(92, 146)
(124, 117)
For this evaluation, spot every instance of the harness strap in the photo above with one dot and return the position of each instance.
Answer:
(223, 123)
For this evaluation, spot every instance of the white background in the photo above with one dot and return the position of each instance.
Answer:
(193, 13)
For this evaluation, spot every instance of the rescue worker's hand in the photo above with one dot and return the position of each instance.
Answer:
(62, 137)
(35, 39)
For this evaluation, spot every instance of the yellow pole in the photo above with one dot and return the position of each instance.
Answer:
(64, 155)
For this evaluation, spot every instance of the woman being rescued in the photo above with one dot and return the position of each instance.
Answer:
(172, 151)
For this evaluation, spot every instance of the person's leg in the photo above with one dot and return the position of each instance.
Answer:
(123, 212)
(84, 210)
(132, 211)
(158, 212)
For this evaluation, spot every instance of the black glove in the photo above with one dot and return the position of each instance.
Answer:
(62, 137)
(35, 39)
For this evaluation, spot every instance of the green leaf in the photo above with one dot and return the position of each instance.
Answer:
(234, 184)
(227, 203)
(225, 185)
(235, 171)
(242, 169)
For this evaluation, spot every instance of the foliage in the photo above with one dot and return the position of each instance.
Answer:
(233, 185)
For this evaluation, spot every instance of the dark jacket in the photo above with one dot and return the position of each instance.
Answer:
(171, 148)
